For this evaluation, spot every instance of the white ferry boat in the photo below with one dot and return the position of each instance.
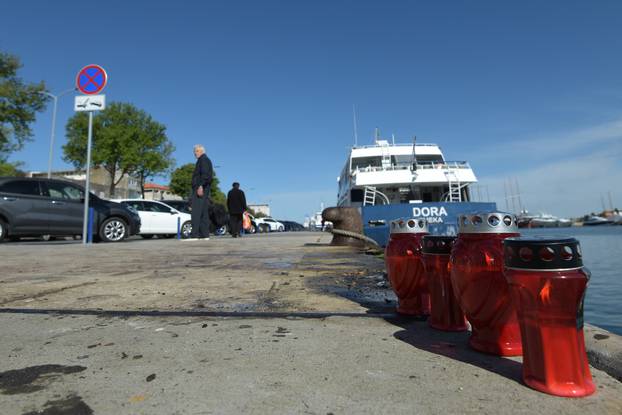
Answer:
(388, 180)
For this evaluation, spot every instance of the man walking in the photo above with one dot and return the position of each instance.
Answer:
(201, 185)
(236, 203)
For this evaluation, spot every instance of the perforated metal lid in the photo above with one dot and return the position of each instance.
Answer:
(487, 222)
(542, 253)
(437, 244)
(409, 225)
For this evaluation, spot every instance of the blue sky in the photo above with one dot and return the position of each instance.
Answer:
(529, 90)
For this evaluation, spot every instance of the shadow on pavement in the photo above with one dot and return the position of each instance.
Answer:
(454, 345)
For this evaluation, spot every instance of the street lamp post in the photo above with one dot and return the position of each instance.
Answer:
(55, 98)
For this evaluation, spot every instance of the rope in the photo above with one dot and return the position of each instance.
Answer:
(355, 235)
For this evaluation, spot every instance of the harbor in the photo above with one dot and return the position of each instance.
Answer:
(279, 323)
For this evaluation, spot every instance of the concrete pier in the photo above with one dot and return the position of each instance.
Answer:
(266, 324)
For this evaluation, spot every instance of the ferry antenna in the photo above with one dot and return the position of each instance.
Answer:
(356, 136)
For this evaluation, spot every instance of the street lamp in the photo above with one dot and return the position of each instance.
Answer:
(55, 98)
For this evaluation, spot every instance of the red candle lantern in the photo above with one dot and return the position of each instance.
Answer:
(405, 268)
(548, 282)
(445, 312)
(479, 284)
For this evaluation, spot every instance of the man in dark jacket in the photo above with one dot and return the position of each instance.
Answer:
(201, 185)
(236, 203)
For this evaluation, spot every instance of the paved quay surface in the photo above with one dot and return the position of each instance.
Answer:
(107, 361)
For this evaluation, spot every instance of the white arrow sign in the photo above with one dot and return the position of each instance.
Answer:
(90, 103)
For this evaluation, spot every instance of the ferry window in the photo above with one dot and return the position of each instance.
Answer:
(356, 195)
(403, 160)
(362, 162)
(429, 159)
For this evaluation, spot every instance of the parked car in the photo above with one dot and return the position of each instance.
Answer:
(291, 226)
(180, 205)
(268, 224)
(158, 218)
(219, 218)
(40, 206)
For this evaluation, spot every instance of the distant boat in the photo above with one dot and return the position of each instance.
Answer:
(596, 220)
(544, 221)
(524, 219)
(616, 219)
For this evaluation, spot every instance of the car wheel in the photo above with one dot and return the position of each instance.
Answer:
(222, 230)
(113, 230)
(4, 230)
(147, 236)
(251, 230)
(186, 229)
(281, 229)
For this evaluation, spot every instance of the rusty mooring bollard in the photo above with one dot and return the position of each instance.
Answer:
(345, 219)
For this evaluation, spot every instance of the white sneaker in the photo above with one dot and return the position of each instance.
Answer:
(190, 239)
(203, 239)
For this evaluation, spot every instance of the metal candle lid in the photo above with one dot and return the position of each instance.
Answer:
(409, 226)
(542, 253)
(487, 222)
(437, 244)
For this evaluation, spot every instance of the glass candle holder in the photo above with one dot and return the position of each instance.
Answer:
(445, 312)
(405, 267)
(548, 282)
(479, 284)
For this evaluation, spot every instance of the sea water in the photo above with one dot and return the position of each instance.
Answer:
(602, 255)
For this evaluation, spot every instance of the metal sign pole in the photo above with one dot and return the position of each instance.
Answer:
(87, 185)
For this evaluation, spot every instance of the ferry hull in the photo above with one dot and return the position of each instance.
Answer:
(442, 217)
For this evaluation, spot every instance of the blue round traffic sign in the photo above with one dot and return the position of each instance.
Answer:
(91, 79)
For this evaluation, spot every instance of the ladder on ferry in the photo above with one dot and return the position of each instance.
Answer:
(386, 154)
(369, 197)
(455, 193)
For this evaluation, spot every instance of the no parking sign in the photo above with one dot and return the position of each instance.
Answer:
(91, 79)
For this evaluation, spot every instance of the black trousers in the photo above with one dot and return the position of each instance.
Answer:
(235, 223)
(200, 215)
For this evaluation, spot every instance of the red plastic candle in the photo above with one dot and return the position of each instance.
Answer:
(445, 312)
(405, 268)
(548, 282)
(479, 284)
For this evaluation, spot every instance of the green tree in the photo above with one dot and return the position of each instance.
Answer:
(10, 169)
(126, 141)
(181, 181)
(216, 195)
(154, 155)
(19, 102)
(181, 184)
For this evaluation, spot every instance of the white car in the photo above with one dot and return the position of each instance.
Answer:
(158, 218)
(270, 224)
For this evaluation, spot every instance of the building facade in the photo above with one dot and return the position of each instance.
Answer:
(261, 208)
(127, 188)
(155, 191)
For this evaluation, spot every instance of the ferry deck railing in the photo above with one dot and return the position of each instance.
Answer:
(450, 165)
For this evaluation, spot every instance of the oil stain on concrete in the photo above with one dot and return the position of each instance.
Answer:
(33, 378)
(71, 405)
